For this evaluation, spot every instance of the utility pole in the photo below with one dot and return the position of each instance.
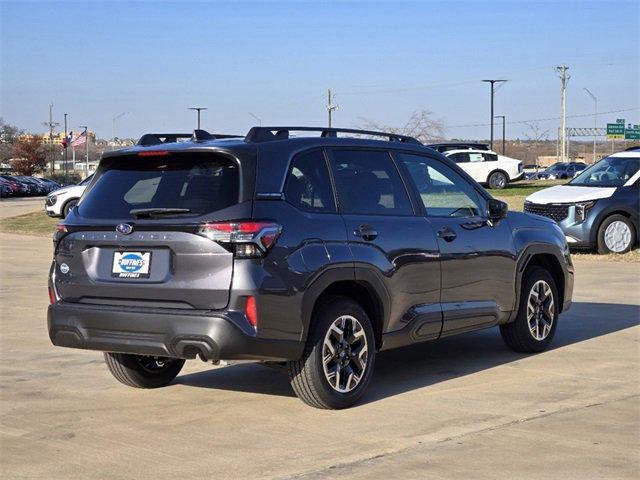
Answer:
(86, 142)
(113, 129)
(330, 106)
(564, 78)
(52, 125)
(198, 109)
(256, 117)
(595, 121)
(503, 132)
(65, 147)
(492, 83)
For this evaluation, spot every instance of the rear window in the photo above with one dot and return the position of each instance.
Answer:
(194, 183)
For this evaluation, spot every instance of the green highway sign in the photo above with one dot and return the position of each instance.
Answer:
(620, 120)
(615, 131)
(632, 133)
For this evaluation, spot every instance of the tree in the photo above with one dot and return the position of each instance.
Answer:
(420, 125)
(8, 136)
(535, 135)
(29, 155)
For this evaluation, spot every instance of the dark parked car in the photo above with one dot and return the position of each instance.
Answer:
(561, 171)
(24, 188)
(10, 188)
(316, 252)
(599, 207)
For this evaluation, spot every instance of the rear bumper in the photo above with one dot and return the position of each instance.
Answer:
(163, 332)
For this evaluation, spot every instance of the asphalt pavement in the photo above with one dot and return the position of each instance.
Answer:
(463, 407)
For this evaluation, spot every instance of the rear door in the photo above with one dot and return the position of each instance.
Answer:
(478, 259)
(133, 240)
(387, 237)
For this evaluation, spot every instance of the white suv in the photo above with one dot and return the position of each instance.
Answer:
(487, 167)
(60, 202)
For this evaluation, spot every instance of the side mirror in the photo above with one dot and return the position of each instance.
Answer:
(496, 210)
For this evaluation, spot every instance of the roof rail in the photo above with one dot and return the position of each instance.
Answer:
(150, 139)
(267, 134)
(632, 149)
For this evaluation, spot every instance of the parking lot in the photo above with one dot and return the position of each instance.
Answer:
(464, 407)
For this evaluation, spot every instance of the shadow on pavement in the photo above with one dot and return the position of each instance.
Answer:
(417, 366)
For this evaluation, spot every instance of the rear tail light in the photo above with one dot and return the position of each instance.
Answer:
(251, 311)
(52, 296)
(248, 239)
(60, 231)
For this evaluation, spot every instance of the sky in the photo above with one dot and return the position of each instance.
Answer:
(383, 60)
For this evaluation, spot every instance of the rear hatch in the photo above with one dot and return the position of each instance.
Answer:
(133, 240)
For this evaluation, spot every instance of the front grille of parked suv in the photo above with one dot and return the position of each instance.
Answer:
(557, 212)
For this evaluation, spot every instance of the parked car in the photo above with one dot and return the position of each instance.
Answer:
(48, 185)
(561, 171)
(5, 190)
(37, 188)
(237, 249)
(61, 201)
(487, 167)
(599, 207)
(446, 147)
(11, 188)
(24, 188)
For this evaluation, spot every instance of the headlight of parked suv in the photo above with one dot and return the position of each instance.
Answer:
(51, 200)
(581, 210)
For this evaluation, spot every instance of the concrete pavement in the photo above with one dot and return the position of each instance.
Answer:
(464, 407)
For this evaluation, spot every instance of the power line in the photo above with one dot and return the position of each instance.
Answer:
(547, 119)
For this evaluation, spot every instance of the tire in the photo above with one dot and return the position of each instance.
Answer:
(141, 371)
(497, 180)
(616, 235)
(519, 334)
(331, 385)
(68, 206)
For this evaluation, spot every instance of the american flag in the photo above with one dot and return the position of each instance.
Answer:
(78, 139)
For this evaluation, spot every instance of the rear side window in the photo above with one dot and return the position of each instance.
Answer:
(197, 183)
(308, 185)
(369, 183)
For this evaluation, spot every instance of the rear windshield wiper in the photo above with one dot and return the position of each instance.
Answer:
(157, 212)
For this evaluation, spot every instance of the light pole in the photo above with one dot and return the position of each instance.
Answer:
(503, 131)
(595, 121)
(113, 129)
(65, 147)
(198, 109)
(256, 117)
(86, 142)
(492, 82)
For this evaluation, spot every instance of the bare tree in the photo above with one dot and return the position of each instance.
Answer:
(420, 125)
(535, 135)
(8, 136)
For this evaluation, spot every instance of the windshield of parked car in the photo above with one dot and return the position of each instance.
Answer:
(556, 167)
(608, 172)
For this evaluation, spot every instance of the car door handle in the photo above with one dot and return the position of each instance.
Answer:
(366, 232)
(447, 234)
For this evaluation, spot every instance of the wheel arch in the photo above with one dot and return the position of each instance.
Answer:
(343, 282)
(65, 203)
(542, 256)
(595, 229)
(498, 170)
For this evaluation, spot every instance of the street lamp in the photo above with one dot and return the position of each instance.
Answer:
(256, 117)
(503, 131)
(492, 82)
(595, 121)
(65, 147)
(198, 109)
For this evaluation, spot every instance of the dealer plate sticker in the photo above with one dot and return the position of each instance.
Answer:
(131, 264)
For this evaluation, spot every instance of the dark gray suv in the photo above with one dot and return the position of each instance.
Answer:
(313, 252)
